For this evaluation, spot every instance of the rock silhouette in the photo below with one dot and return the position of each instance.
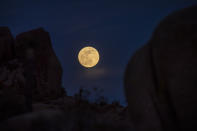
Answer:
(29, 70)
(160, 79)
(48, 71)
(7, 45)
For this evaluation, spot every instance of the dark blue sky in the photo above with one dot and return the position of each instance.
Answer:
(116, 28)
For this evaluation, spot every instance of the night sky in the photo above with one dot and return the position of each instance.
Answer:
(116, 28)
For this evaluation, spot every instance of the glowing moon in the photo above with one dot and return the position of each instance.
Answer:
(88, 57)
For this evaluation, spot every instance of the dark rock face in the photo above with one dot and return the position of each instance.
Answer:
(48, 70)
(160, 80)
(7, 45)
(29, 71)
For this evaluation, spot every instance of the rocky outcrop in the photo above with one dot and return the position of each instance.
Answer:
(44, 64)
(48, 71)
(160, 80)
(30, 71)
(6, 45)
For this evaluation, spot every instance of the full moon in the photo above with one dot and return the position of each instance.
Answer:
(88, 57)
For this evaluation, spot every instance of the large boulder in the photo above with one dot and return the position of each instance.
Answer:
(45, 65)
(160, 79)
(12, 101)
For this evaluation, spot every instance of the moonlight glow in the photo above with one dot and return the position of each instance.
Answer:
(88, 57)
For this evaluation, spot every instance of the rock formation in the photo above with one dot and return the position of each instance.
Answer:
(6, 45)
(48, 70)
(160, 79)
(29, 70)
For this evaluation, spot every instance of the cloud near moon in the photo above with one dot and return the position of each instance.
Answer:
(97, 73)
